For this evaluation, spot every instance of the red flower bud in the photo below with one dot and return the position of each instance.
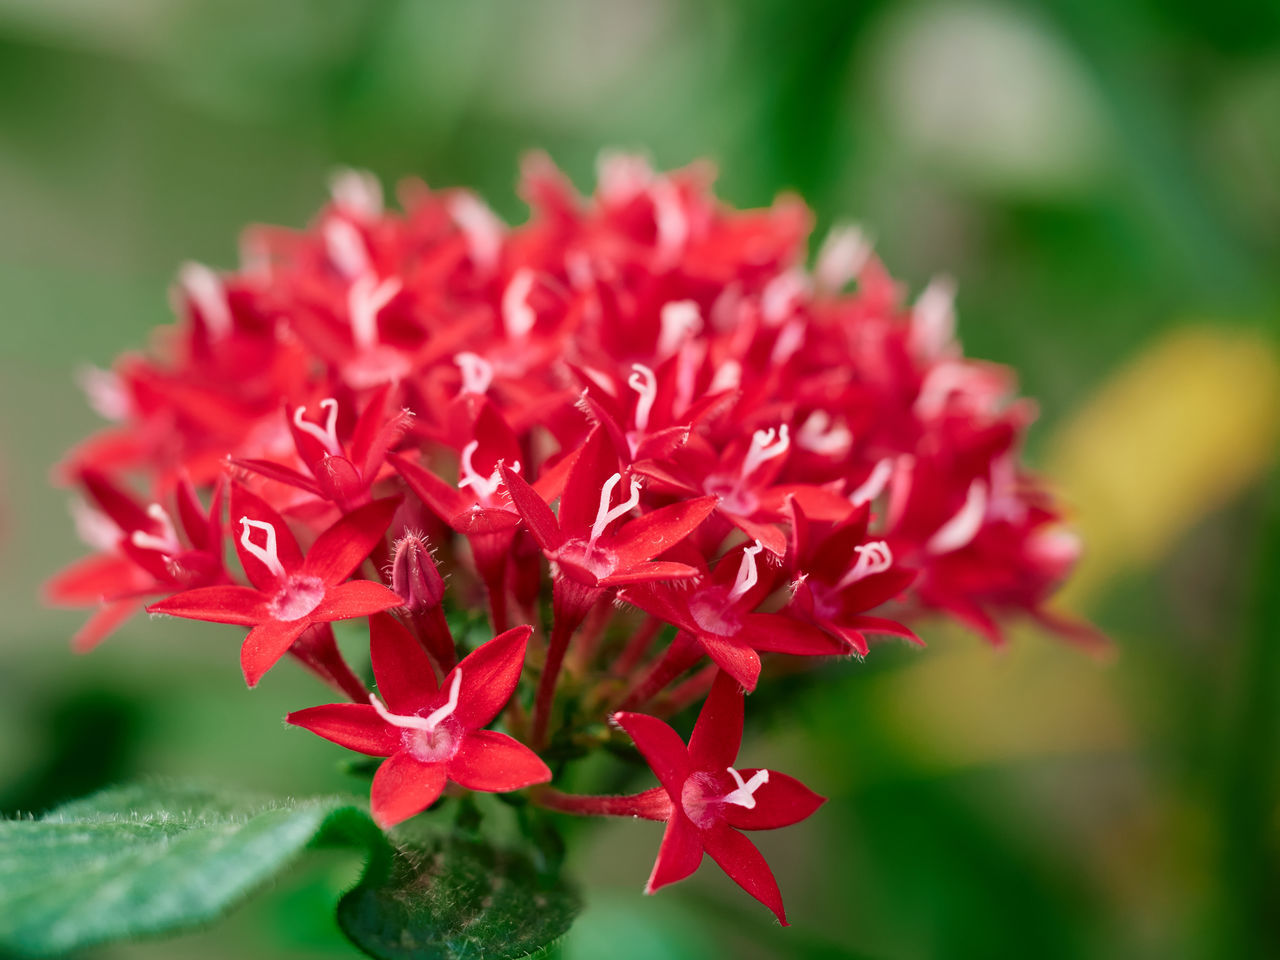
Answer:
(414, 575)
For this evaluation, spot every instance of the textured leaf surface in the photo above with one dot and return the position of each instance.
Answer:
(458, 899)
(155, 858)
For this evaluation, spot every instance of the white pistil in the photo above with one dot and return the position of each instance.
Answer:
(267, 553)
(605, 516)
(790, 339)
(728, 376)
(477, 372)
(822, 435)
(875, 483)
(356, 193)
(204, 289)
(346, 248)
(964, 525)
(763, 448)
(940, 382)
(432, 720)
(643, 382)
(745, 795)
(780, 294)
(679, 319)
(480, 226)
(326, 436)
(748, 576)
(365, 300)
(484, 487)
(873, 558)
(844, 253)
(518, 317)
(167, 542)
(933, 319)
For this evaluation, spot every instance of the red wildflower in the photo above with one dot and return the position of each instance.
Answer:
(290, 592)
(431, 733)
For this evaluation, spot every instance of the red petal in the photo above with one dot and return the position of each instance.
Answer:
(120, 508)
(278, 473)
(246, 504)
(496, 763)
(718, 733)
(882, 625)
(102, 624)
(679, 855)
(657, 570)
(368, 426)
(770, 535)
(778, 633)
(745, 865)
(734, 658)
(343, 547)
(661, 748)
(355, 726)
(223, 604)
(537, 515)
(649, 535)
(781, 802)
(597, 462)
(87, 581)
(402, 787)
(265, 645)
(405, 678)
(489, 677)
(355, 598)
(443, 500)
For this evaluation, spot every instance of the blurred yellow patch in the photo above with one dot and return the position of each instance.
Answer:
(1172, 436)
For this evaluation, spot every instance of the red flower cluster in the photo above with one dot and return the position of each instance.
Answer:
(717, 453)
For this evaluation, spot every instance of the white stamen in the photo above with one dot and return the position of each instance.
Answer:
(844, 253)
(779, 295)
(326, 435)
(167, 542)
(875, 483)
(346, 248)
(728, 376)
(940, 382)
(680, 319)
(477, 372)
(964, 526)
(365, 301)
(518, 317)
(748, 575)
(822, 435)
(106, 393)
(268, 554)
(671, 222)
(480, 226)
(790, 339)
(432, 720)
(933, 319)
(356, 193)
(205, 290)
(605, 516)
(621, 177)
(744, 796)
(873, 558)
(484, 487)
(643, 382)
(763, 448)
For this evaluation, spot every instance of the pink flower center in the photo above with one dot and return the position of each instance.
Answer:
(714, 612)
(704, 795)
(299, 595)
(434, 738)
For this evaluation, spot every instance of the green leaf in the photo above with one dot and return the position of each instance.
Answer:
(457, 898)
(156, 858)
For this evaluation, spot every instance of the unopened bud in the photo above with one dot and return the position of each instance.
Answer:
(414, 575)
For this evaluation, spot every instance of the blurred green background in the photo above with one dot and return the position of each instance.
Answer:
(1102, 177)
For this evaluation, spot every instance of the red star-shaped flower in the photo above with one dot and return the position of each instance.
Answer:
(290, 592)
(431, 734)
(711, 800)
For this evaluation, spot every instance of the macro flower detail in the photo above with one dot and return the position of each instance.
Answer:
(290, 592)
(431, 733)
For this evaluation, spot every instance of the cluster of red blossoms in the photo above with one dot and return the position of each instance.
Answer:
(635, 430)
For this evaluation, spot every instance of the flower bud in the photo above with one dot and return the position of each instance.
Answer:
(414, 575)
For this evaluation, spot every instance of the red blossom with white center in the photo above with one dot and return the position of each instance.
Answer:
(429, 733)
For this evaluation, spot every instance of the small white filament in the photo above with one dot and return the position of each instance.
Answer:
(964, 526)
(327, 435)
(763, 448)
(643, 382)
(484, 487)
(745, 795)
(365, 300)
(820, 434)
(477, 372)
(605, 516)
(167, 542)
(873, 558)
(844, 253)
(872, 487)
(346, 248)
(933, 319)
(432, 720)
(356, 193)
(518, 317)
(679, 320)
(748, 575)
(480, 226)
(267, 553)
(204, 288)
